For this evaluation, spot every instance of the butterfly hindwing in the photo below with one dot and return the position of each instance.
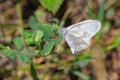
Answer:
(78, 41)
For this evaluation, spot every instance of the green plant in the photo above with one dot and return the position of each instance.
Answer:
(42, 38)
(39, 41)
(51, 5)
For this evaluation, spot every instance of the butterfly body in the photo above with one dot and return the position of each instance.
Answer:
(78, 36)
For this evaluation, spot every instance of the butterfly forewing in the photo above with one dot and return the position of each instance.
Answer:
(90, 26)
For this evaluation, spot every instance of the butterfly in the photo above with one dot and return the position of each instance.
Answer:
(78, 36)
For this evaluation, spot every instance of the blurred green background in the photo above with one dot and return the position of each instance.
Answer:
(100, 61)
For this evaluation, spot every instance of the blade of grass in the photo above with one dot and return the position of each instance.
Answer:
(101, 11)
(100, 17)
(81, 75)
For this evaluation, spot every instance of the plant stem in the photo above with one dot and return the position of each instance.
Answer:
(33, 71)
(19, 12)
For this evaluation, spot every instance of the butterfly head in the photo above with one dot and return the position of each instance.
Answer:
(63, 32)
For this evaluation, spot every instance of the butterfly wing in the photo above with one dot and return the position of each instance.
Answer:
(89, 26)
(78, 36)
(77, 43)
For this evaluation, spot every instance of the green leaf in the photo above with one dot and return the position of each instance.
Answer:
(38, 49)
(58, 39)
(56, 20)
(51, 5)
(8, 52)
(40, 15)
(29, 37)
(39, 35)
(18, 42)
(27, 33)
(48, 48)
(24, 58)
(81, 75)
(56, 27)
(62, 23)
(47, 30)
(33, 22)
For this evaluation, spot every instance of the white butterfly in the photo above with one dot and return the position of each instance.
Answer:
(78, 36)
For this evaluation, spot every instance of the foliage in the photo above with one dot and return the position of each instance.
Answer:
(39, 41)
(43, 38)
(33, 22)
(48, 48)
(8, 52)
(51, 5)
(13, 54)
(18, 42)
